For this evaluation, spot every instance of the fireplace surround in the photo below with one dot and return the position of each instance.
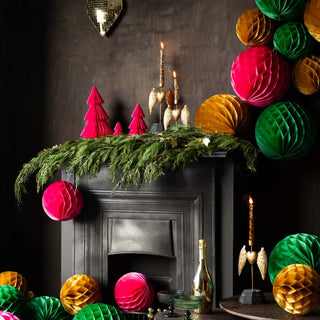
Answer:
(155, 229)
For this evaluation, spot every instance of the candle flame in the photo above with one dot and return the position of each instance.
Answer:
(250, 200)
(162, 45)
(174, 74)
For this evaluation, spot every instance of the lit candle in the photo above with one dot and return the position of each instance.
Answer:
(175, 88)
(161, 83)
(101, 19)
(251, 225)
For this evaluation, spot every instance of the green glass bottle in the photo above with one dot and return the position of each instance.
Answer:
(202, 282)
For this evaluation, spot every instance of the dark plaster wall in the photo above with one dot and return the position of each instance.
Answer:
(52, 56)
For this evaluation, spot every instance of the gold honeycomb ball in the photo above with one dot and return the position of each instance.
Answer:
(306, 75)
(312, 18)
(296, 289)
(254, 28)
(14, 279)
(223, 113)
(79, 291)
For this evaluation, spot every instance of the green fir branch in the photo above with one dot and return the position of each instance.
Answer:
(133, 160)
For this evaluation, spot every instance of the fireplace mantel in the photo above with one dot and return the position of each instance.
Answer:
(155, 229)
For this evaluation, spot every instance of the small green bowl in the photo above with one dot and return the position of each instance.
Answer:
(167, 296)
(187, 302)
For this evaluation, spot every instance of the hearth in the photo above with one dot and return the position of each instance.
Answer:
(154, 230)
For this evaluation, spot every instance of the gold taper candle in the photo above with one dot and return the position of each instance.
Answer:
(161, 82)
(251, 225)
(175, 88)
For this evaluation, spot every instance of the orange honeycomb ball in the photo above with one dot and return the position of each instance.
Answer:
(14, 279)
(306, 75)
(79, 291)
(224, 113)
(296, 289)
(312, 18)
(254, 28)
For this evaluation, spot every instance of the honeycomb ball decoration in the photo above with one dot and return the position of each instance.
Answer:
(44, 307)
(296, 289)
(312, 18)
(254, 29)
(223, 113)
(285, 131)
(282, 10)
(62, 201)
(8, 316)
(301, 248)
(99, 311)
(11, 299)
(306, 75)
(14, 279)
(79, 291)
(293, 40)
(260, 76)
(133, 292)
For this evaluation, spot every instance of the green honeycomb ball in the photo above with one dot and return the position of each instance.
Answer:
(300, 248)
(293, 40)
(282, 10)
(99, 311)
(284, 130)
(11, 299)
(43, 308)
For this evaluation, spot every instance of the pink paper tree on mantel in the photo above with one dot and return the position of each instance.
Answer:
(118, 130)
(96, 117)
(137, 125)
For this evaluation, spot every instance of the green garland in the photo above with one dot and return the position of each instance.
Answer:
(141, 158)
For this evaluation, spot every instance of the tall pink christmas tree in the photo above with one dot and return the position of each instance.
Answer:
(137, 125)
(96, 117)
(118, 130)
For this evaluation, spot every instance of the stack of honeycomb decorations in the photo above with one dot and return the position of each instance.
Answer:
(14, 279)
(254, 28)
(79, 291)
(285, 131)
(296, 289)
(43, 308)
(99, 311)
(293, 40)
(223, 113)
(282, 10)
(311, 18)
(306, 75)
(11, 300)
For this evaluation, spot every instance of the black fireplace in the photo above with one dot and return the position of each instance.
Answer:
(154, 230)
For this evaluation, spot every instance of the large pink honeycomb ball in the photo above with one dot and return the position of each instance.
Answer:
(134, 292)
(4, 315)
(260, 76)
(62, 201)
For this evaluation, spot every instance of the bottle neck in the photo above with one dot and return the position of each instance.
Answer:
(202, 254)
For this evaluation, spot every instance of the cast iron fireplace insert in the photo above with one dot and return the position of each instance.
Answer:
(154, 230)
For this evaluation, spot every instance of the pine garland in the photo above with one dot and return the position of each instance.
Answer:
(141, 158)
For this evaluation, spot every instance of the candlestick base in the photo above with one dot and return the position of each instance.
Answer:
(252, 296)
(156, 127)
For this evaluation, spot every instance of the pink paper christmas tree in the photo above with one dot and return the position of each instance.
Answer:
(118, 130)
(137, 125)
(96, 117)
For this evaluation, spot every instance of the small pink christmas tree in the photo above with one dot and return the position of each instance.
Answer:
(96, 117)
(118, 130)
(137, 125)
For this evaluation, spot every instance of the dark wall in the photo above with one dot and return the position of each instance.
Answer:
(53, 57)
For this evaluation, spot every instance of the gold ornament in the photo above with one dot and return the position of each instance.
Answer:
(160, 96)
(170, 98)
(306, 75)
(312, 18)
(79, 291)
(176, 114)
(152, 99)
(223, 113)
(185, 115)
(167, 117)
(254, 28)
(296, 289)
(14, 279)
